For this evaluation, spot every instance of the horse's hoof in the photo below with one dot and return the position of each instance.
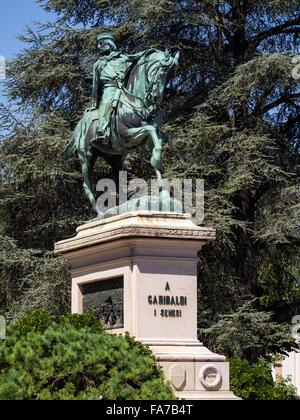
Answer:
(156, 164)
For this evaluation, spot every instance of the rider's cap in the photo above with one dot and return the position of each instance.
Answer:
(106, 35)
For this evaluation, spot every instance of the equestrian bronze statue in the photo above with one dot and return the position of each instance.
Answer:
(125, 112)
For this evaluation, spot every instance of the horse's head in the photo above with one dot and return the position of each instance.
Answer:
(159, 65)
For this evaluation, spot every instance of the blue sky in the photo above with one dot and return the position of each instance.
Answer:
(14, 16)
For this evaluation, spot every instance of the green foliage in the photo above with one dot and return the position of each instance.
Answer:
(40, 320)
(81, 321)
(74, 360)
(279, 283)
(255, 382)
(247, 334)
(33, 322)
(32, 279)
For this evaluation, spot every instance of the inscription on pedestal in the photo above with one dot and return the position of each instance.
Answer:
(106, 298)
(174, 303)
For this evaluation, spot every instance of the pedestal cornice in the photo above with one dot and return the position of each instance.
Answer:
(136, 224)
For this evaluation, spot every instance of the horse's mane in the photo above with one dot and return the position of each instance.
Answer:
(136, 64)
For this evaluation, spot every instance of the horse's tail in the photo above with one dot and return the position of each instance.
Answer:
(69, 150)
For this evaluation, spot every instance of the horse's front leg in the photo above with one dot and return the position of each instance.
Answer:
(150, 132)
(156, 159)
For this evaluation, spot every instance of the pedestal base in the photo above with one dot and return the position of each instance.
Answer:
(195, 372)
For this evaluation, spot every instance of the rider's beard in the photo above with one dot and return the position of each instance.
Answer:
(105, 51)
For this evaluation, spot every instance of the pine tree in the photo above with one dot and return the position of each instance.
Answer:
(231, 113)
(75, 359)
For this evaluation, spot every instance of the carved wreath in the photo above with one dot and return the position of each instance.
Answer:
(217, 382)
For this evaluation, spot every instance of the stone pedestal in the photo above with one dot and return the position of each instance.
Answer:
(139, 270)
